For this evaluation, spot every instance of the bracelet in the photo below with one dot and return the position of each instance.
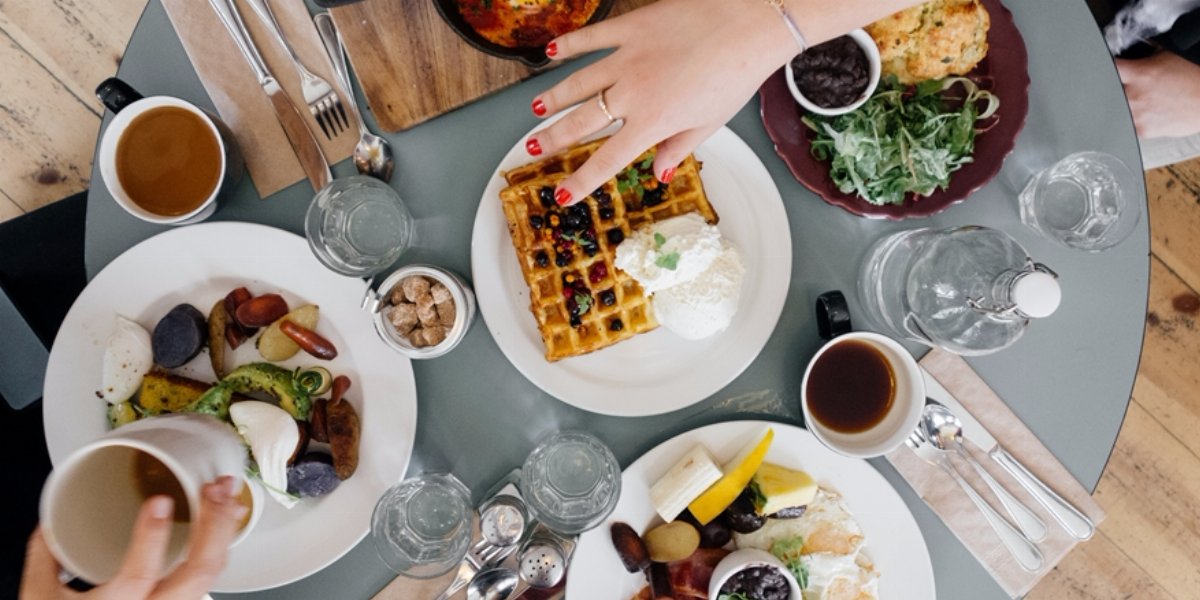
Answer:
(790, 22)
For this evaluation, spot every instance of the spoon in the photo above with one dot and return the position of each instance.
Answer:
(372, 154)
(945, 432)
(492, 584)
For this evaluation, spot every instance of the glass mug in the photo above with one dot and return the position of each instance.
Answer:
(164, 160)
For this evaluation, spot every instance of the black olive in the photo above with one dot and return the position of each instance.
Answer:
(616, 325)
(535, 221)
(542, 259)
(608, 298)
(546, 197)
(615, 236)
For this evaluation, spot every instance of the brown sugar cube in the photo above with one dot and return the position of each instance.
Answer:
(403, 317)
(426, 312)
(415, 287)
(416, 337)
(446, 312)
(397, 295)
(440, 293)
(434, 335)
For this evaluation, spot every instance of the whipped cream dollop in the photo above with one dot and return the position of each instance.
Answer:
(694, 275)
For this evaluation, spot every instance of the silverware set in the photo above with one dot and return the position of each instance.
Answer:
(939, 438)
(372, 155)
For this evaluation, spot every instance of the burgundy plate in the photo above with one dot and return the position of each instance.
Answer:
(1006, 65)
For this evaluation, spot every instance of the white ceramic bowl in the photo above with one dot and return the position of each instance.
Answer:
(740, 560)
(864, 41)
(464, 310)
(900, 421)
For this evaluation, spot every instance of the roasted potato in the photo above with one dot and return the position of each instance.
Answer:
(274, 345)
(672, 541)
(218, 321)
(344, 430)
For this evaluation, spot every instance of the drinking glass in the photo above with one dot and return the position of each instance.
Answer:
(1085, 201)
(358, 226)
(422, 526)
(571, 482)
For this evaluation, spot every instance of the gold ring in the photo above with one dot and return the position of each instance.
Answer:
(604, 107)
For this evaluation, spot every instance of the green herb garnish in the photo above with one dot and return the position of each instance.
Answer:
(733, 596)
(668, 261)
(788, 551)
(632, 179)
(584, 302)
(757, 497)
(659, 240)
(902, 140)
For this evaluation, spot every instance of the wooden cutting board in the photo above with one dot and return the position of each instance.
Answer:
(412, 66)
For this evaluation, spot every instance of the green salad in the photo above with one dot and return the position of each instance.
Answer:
(902, 139)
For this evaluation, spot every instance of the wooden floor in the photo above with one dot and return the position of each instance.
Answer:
(55, 51)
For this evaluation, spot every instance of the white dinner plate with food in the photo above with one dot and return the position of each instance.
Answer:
(891, 539)
(657, 371)
(199, 265)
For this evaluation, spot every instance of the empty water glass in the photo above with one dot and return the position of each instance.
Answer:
(358, 226)
(422, 526)
(571, 482)
(1086, 201)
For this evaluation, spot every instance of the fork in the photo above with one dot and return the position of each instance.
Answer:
(483, 554)
(322, 100)
(1024, 551)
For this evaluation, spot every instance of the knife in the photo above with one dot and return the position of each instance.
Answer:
(303, 142)
(1074, 522)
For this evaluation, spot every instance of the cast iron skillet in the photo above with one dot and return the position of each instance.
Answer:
(534, 57)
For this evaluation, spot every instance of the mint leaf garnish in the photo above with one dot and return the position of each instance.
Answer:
(659, 240)
(668, 261)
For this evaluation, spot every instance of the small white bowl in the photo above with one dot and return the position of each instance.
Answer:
(740, 560)
(464, 310)
(864, 41)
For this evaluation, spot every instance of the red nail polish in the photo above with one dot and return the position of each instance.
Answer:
(552, 49)
(667, 175)
(539, 107)
(562, 197)
(533, 147)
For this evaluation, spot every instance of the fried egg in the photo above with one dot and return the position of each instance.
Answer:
(838, 569)
(127, 359)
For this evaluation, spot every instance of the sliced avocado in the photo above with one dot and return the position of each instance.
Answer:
(214, 402)
(274, 380)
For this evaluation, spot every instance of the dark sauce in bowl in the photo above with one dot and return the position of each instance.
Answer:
(833, 74)
(759, 583)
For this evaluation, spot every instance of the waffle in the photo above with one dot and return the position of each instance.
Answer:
(581, 302)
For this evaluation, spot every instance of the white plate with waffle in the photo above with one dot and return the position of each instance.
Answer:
(654, 372)
(893, 541)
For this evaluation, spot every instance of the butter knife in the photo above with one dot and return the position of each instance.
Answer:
(301, 138)
(1073, 521)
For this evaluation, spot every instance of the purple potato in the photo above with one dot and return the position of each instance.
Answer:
(179, 336)
(312, 476)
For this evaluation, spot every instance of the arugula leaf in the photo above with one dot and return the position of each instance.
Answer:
(659, 240)
(902, 141)
(668, 261)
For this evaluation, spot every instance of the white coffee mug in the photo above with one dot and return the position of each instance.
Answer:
(127, 105)
(901, 419)
(91, 501)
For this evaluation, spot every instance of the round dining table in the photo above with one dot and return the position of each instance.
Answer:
(1069, 378)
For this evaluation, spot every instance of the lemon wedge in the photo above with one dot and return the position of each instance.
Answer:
(737, 474)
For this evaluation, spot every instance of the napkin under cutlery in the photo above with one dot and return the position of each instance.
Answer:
(237, 95)
(948, 501)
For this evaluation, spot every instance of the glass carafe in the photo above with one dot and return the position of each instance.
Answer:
(969, 290)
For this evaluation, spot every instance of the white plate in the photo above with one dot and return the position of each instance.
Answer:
(199, 264)
(655, 372)
(893, 540)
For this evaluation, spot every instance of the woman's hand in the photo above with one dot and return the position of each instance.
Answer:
(680, 70)
(140, 576)
(1163, 93)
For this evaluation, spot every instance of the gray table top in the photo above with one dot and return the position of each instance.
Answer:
(1069, 378)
